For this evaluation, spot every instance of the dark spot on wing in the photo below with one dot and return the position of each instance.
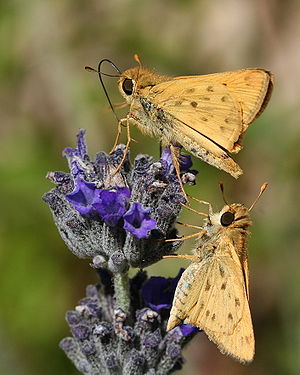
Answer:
(213, 317)
(223, 286)
(227, 120)
(179, 318)
(183, 303)
(189, 91)
(224, 99)
(207, 286)
(221, 269)
(183, 292)
(207, 313)
(237, 302)
(204, 119)
(230, 316)
(156, 91)
(210, 88)
(178, 102)
(194, 104)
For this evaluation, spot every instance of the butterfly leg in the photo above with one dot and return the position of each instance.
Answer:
(119, 132)
(203, 202)
(129, 139)
(193, 210)
(191, 257)
(186, 237)
(188, 225)
(175, 153)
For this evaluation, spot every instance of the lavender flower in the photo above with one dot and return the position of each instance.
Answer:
(118, 219)
(121, 218)
(104, 342)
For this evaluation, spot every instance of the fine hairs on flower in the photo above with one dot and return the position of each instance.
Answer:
(121, 219)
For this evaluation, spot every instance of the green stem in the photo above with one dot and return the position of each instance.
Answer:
(121, 282)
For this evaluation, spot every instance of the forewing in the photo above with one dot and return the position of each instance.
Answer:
(251, 88)
(231, 326)
(206, 108)
(219, 106)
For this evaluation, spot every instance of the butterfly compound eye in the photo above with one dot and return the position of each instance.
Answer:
(127, 86)
(227, 218)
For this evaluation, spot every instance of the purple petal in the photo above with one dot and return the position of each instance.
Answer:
(138, 221)
(158, 292)
(185, 162)
(187, 329)
(82, 197)
(166, 160)
(111, 205)
(159, 307)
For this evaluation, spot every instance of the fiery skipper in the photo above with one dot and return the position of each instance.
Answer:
(213, 292)
(207, 115)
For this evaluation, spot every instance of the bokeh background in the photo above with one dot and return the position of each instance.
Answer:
(46, 96)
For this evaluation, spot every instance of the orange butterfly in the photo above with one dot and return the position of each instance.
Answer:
(207, 115)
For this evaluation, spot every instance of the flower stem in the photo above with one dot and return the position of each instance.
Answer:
(121, 282)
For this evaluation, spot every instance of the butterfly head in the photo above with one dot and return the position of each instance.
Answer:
(133, 81)
(232, 216)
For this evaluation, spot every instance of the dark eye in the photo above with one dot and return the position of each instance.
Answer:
(127, 86)
(227, 218)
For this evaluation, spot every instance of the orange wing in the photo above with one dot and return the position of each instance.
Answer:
(218, 106)
(216, 302)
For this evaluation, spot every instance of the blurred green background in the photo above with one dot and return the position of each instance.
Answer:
(46, 96)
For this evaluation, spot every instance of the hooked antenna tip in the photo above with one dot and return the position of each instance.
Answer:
(90, 69)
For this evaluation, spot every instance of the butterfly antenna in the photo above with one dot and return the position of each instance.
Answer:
(90, 69)
(262, 189)
(221, 184)
(101, 80)
(137, 59)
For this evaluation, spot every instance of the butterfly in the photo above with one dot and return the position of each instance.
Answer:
(206, 114)
(213, 292)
